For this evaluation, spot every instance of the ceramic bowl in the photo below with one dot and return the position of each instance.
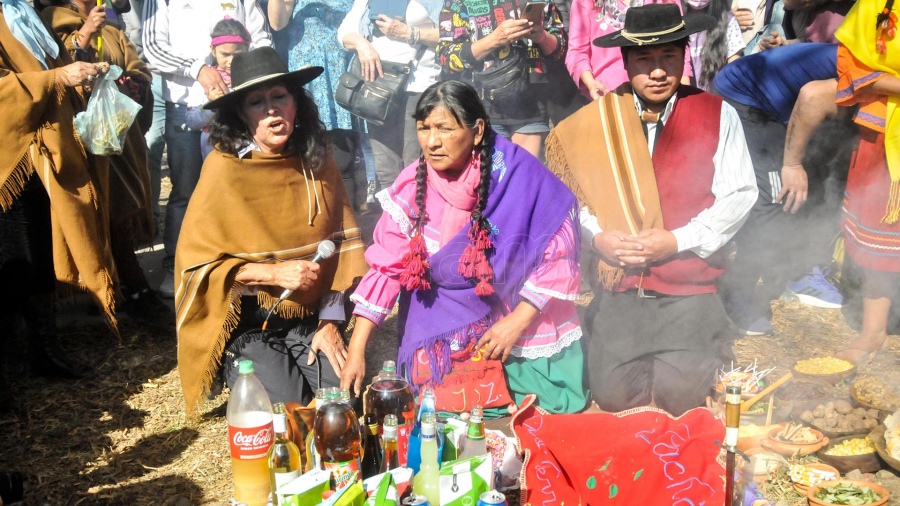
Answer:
(881, 491)
(866, 463)
(788, 448)
(801, 488)
(831, 378)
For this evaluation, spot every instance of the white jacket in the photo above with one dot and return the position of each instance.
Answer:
(176, 37)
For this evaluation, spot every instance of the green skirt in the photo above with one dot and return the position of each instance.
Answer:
(557, 381)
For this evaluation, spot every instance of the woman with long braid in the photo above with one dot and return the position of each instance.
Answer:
(478, 240)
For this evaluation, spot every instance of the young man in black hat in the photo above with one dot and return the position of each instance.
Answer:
(664, 176)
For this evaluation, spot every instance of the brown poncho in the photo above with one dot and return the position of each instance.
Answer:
(39, 137)
(255, 209)
(601, 154)
(129, 192)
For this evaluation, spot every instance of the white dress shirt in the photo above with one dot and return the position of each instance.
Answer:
(733, 185)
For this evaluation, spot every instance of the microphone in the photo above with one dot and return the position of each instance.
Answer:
(323, 252)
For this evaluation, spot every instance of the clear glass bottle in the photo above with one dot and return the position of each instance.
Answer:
(284, 456)
(474, 443)
(390, 454)
(428, 480)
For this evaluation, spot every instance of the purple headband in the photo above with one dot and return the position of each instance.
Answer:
(229, 39)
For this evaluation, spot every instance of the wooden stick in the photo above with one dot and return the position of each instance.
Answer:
(745, 405)
(769, 411)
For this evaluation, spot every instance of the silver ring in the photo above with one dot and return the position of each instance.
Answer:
(91, 78)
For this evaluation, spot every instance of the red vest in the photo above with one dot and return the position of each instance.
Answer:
(683, 163)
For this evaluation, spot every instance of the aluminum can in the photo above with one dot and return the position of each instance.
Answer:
(416, 500)
(492, 498)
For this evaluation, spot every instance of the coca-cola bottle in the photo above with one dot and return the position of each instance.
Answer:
(337, 437)
(250, 434)
(390, 394)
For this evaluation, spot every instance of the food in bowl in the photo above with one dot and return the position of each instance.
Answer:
(841, 416)
(809, 476)
(874, 392)
(850, 447)
(847, 493)
(752, 430)
(822, 365)
(797, 434)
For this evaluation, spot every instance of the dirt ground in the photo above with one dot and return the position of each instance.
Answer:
(120, 436)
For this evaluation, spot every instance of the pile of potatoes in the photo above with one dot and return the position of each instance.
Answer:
(840, 416)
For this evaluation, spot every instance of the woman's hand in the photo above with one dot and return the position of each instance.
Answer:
(353, 373)
(369, 60)
(744, 18)
(295, 274)
(772, 41)
(593, 86)
(511, 30)
(498, 341)
(392, 29)
(328, 340)
(96, 20)
(81, 73)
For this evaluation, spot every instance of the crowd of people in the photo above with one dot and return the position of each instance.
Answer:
(673, 155)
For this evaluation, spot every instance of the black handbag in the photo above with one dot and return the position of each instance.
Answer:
(374, 101)
(504, 82)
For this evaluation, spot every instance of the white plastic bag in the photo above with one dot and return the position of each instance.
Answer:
(109, 115)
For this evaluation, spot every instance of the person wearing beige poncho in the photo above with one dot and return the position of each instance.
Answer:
(53, 218)
(266, 198)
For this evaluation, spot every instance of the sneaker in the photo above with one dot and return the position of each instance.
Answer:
(757, 327)
(167, 287)
(370, 192)
(814, 289)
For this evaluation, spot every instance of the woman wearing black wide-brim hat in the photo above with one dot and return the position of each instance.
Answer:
(266, 198)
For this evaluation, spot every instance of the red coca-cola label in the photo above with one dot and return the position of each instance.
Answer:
(250, 443)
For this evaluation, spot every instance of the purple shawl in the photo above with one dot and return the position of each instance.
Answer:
(526, 206)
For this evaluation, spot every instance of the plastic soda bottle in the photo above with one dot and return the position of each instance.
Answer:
(250, 435)
(390, 394)
(284, 456)
(428, 480)
(337, 437)
(474, 443)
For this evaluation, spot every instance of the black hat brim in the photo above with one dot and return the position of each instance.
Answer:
(295, 79)
(693, 23)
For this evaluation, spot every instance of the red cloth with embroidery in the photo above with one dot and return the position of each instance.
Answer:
(471, 380)
(642, 456)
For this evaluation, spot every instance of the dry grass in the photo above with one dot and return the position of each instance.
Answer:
(119, 437)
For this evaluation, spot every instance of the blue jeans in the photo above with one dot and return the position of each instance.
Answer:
(156, 142)
(185, 161)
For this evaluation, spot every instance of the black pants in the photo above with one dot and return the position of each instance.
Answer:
(26, 248)
(279, 357)
(665, 350)
(775, 245)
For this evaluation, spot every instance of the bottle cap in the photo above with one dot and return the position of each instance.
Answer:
(476, 415)
(389, 365)
(333, 393)
(245, 366)
(390, 420)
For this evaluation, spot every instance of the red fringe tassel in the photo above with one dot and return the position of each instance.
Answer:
(474, 264)
(415, 271)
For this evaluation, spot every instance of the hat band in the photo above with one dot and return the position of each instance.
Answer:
(640, 39)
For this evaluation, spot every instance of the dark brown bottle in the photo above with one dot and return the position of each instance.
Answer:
(337, 437)
(371, 459)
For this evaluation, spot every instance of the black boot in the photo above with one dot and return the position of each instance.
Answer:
(12, 486)
(47, 356)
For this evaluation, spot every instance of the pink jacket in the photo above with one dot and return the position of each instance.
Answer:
(586, 23)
